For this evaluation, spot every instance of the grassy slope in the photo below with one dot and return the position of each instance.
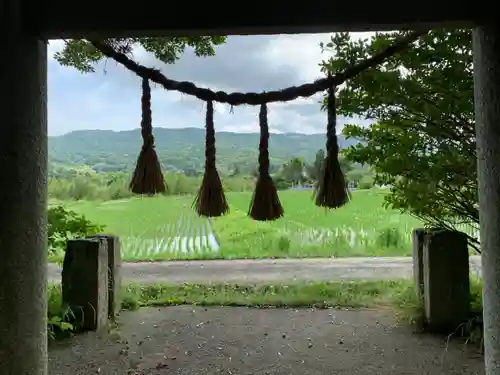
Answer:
(362, 228)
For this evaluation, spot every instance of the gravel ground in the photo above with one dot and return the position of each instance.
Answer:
(196, 341)
(268, 270)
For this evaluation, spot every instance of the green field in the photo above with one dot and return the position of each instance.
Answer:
(163, 228)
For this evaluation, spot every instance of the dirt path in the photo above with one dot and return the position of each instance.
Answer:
(189, 340)
(256, 271)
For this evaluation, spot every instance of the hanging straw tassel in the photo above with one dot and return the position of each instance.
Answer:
(331, 191)
(148, 177)
(265, 204)
(210, 201)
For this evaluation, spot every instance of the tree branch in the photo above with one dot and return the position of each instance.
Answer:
(285, 95)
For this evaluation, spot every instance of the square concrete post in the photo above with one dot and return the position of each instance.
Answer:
(23, 197)
(418, 260)
(486, 45)
(446, 280)
(114, 273)
(85, 282)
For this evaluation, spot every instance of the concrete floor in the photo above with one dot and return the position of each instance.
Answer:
(189, 340)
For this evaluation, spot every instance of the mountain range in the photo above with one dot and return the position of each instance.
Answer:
(178, 149)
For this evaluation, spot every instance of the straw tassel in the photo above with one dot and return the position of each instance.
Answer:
(210, 200)
(265, 205)
(148, 177)
(331, 190)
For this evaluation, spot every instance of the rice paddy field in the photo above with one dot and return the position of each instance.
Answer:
(166, 228)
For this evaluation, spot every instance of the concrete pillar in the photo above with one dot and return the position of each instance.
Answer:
(446, 280)
(85, 282)
(114, 274)
(23, 194)
(486, 45)
(418, 260)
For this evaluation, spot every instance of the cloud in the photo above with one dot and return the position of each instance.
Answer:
(110, 98)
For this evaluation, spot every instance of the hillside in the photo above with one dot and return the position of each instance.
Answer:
(105, 150)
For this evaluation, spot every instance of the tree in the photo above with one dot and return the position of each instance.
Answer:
(356, 175)
(345, 164)
(235, 171)
(293, 171)
(83, 56)
(422, 141)
(314, 170)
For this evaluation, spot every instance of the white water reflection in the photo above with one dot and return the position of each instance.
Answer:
(190, 235)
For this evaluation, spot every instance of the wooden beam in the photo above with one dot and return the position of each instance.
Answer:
(53, 19)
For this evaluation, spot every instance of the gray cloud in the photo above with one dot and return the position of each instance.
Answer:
(244, 64)
(241, 64)
(251, 63)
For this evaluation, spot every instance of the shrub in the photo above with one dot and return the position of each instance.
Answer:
(282, 184)
(65, 224)
(366, 183)
(59, 317)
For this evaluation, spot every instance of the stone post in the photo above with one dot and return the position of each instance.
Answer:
(418, 260)
(446, 280)
(23, 197)
(85, 282)
(114, 273)
(486, 45)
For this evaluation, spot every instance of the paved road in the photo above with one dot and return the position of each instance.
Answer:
(260, 271)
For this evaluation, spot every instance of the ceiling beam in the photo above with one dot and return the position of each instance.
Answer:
(55, 19)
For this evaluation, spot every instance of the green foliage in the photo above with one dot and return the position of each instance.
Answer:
(355, 175)
(115, 186)
(293, 171)
(64, 224)
(366, 182)
(59, 316)
(58, 324)
(345, 164)
(422, 141)
(282, 183)
(314, 170)
(297, 171)
(83, 56)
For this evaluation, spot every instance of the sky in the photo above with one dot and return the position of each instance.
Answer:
(109, 99)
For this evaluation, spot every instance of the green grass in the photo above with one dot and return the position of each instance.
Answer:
(318, 294)
(148, 228)
(297, 295)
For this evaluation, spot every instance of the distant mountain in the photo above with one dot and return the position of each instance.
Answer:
(178, 149)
